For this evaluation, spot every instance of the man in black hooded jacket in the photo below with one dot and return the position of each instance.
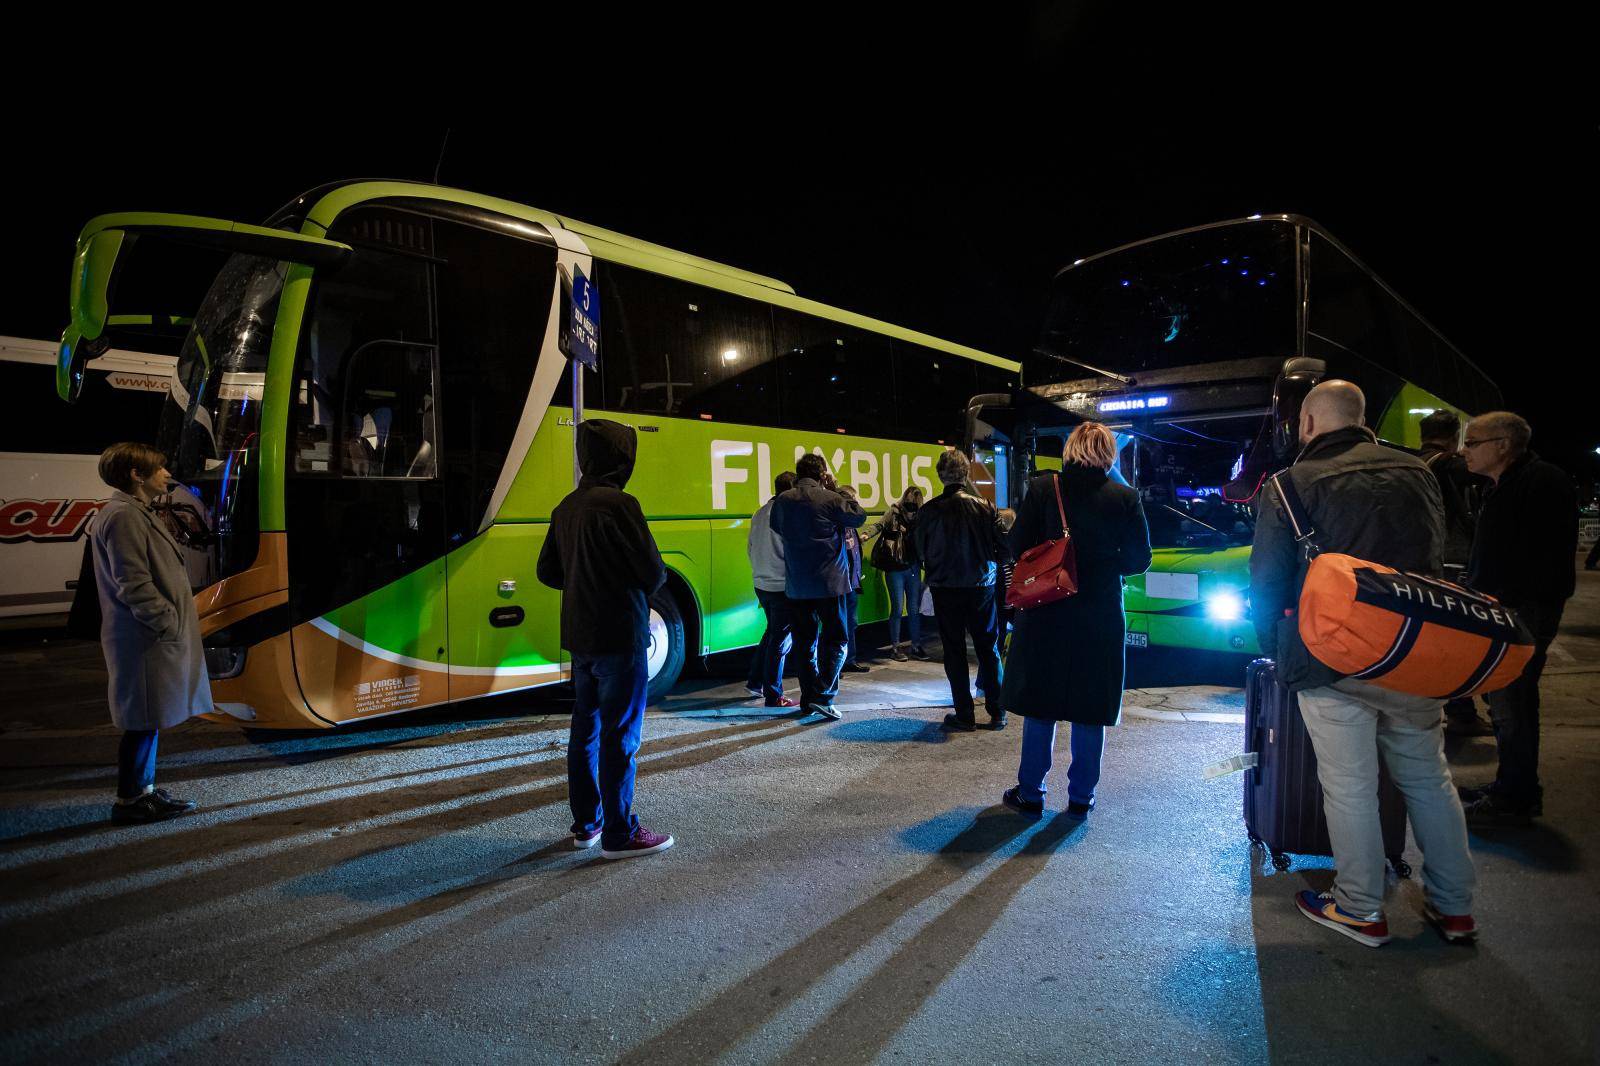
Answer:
(600, 553)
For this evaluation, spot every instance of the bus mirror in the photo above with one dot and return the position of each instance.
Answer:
(71, 359)
(1298, 377)
(103, 242)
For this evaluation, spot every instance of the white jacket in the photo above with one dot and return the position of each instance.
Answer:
(766, 552)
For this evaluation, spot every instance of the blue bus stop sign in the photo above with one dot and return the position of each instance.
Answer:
(583, 338)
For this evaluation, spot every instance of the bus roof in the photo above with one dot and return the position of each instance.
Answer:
(1298, 220)
(325, 204)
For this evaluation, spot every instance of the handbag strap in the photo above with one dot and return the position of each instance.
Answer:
(1295, 509)
(1061, 510)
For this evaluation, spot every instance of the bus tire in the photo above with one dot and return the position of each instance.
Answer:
(668, 649)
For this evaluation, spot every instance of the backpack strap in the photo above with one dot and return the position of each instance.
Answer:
(1295, 509)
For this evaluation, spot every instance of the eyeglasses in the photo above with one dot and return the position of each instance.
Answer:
(1475, 443)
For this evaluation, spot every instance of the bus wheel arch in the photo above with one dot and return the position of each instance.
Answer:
(674, 628)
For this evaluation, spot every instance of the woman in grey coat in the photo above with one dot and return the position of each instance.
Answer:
(1066, 657)
(149, 629)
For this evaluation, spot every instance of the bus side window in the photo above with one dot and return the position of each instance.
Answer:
(932, 389)
(672, 348)
(387, 422)
(835, 378)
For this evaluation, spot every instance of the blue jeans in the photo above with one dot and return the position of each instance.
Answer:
(850, 599)
(1038, 745)
(766, 662)
(822, 635)
(136, 763)
(905, 595)
(607, 715)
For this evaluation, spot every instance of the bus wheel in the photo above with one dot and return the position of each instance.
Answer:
(667, 651)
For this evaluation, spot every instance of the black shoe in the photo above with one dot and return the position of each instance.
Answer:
(897, 655)
(855, 668)
(147, 808)
(957, 724)
(1011, 799)
(1079, 812)
(1490, 809)
(173, 803)
(919, 654)
(1467, 725)
(996, 722)
(1472, 793)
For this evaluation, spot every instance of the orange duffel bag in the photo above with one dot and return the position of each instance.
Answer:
(1401, 631)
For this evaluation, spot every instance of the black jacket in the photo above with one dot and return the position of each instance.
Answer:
(1525, 550)
(1377, 503)
(958, 539)
(600, 553)
(1066, 657)
(1462, 492)
(811, 522)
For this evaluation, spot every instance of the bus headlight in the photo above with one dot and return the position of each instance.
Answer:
(1225, 606)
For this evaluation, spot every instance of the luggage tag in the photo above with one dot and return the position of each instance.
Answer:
(1248, 760)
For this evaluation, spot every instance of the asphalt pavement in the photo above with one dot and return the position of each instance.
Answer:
(840, 892)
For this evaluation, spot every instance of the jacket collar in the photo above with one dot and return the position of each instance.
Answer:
(1078, 474)
(128, 497)
(1337, 442)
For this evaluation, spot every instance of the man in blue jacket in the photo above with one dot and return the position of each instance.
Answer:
(811, 521)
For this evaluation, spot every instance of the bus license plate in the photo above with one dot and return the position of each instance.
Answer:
(1136, 640)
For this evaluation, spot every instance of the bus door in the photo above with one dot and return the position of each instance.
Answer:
(412, 552)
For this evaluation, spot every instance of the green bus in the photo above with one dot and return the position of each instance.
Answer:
(372, 414)
(1196, 348)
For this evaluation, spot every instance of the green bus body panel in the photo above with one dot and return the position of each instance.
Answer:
(406, 617)
(1401, 422)
(476, 570)
(628, 251)
(1218, 569)
(278, 395)
(92, 267)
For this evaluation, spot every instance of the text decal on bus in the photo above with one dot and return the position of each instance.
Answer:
(46, 520)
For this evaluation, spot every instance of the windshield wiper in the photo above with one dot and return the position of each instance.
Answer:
(1191, 518)
(1058, 357)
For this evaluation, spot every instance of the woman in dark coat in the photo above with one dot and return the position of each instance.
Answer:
(149, 630)
(1066, 658)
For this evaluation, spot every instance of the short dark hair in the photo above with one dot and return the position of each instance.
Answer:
(783, 483)
(120, 462)
(1442, 426)
(810, 465)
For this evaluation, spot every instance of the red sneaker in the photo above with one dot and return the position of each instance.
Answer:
(782, 701)
(1456, 928)
(643, 842)
(1321, 908)
(582, 840)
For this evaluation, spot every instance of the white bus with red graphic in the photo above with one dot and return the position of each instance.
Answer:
(49, 487)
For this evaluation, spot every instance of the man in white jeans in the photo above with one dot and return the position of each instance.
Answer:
(1383, 505)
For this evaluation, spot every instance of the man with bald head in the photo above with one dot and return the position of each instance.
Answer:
(1381, 504)
(1524, 554)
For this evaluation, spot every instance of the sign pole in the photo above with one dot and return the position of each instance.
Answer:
(577, 416)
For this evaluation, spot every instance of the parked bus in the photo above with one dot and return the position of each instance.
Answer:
(1196, 348)
(373, 416)
(50, 488)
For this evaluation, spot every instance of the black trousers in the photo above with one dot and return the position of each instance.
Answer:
(960, 612)
(766, 661)
(1514, 710)
(820, 625)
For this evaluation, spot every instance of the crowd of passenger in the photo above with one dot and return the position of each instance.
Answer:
(1485, 511)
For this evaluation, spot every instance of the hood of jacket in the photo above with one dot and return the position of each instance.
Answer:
(606, 452)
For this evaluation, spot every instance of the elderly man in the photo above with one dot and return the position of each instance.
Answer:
(1380, 504)
(958, 539)
(1524, 555)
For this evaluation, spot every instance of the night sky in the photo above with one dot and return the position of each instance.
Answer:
(946, 201)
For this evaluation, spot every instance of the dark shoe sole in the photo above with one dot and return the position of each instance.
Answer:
(958, 725)
(120, 817)
(995, 724)
(636, 853)
(1009, 799)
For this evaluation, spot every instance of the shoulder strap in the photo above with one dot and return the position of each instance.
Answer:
(1299, 520)
(1060, 509)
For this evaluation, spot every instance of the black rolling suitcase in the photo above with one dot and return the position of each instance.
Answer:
(1282, 797)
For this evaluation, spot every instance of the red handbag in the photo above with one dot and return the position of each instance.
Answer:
(1048, 572)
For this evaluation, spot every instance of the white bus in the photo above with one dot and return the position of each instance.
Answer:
(49, 487)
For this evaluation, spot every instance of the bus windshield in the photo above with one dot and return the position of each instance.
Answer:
(210, 425)
(1180, 469)
(1217, 294)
